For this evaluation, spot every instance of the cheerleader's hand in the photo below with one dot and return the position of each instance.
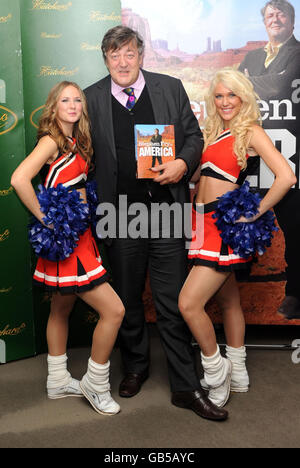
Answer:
(49, 226)
(242, 219)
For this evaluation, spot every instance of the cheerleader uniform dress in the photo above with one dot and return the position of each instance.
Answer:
(83, 269)
(219, 162)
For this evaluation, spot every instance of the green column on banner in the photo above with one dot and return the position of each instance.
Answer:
(16, 308)
(61, 40)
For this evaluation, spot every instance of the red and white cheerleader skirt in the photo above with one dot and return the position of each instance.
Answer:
(80, 272)
(211, 251)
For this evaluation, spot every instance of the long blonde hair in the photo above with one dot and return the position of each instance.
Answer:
(49, 124)
(242, 123)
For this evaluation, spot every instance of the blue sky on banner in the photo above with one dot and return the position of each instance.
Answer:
(188, 23)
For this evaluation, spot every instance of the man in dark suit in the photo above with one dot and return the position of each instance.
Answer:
(156, 142)
(275, 73)
(129, 96)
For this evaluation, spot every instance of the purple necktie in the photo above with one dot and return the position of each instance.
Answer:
(131, 98)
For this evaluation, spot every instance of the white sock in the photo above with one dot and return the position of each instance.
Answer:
(97, 377)
(58, 375)
(214, 369)
(238, 358)
(237, 354)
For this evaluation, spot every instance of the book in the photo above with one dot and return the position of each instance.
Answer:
(154, 145)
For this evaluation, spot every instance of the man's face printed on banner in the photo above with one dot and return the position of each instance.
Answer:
(278, 25)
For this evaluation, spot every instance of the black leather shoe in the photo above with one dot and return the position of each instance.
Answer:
(290, 308)
(131, 384)
(198, 402)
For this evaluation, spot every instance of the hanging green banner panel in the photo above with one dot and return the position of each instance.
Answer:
(61, 40)
(16, 309)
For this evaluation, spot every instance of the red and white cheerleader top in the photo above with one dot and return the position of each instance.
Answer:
(68, 169)
(220, 162)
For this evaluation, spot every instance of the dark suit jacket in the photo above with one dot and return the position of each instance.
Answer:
(275, 81)
(170, 106)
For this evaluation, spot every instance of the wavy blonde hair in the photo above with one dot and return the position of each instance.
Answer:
(241, 124)
(49, 124)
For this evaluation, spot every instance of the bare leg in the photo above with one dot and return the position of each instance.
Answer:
(59, 382)
(228, 298)
(201, 284)
(107, 303)
(58, 323)
(95, 383)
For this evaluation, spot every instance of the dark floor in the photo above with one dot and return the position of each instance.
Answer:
(268, 416)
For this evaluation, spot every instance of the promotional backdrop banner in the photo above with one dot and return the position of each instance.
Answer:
(47, 41)
(191, 40)
(16, 311)
(61, 40)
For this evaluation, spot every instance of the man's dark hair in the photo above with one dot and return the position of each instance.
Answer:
(119, 36)
(282, 5)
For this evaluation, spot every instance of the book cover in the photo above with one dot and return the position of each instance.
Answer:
(154, 145)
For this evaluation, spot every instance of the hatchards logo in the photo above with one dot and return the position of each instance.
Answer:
(45, 35)
(35, 116)
(46, 70)
(87, 46)
(5, 290)
(99, 16)
(5, 19)
(48, 5)
(6, 192)
(5, 235)
(8, 120)
(13, 331)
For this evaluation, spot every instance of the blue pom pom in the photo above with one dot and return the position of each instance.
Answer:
(245, 239)
(92, 200)
(69, 218)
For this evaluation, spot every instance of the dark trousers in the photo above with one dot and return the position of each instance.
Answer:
(166, 260)
(288, 216)
(159, 159)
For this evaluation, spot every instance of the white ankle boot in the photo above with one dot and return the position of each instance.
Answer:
(70, 390)
(240, 377)
(96, 388)
(217, 375)
(60, 384)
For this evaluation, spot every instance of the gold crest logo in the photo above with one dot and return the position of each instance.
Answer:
(8, 120)
(35, 116)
